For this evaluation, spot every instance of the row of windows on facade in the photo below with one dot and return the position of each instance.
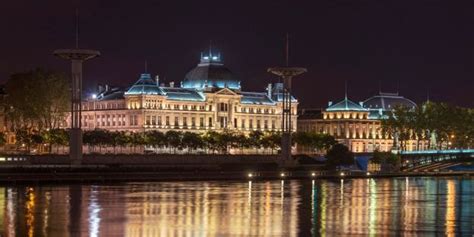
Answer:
(342, 127)
(119, 120)
(98, 105)
(346, 116)
(222, 121)
(221, 107)
(110, 120)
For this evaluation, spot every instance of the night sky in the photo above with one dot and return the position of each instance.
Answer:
(411, 46)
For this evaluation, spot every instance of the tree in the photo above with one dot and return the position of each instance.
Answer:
(192, 141)
(339, 155)
(242, 141)
(255, 139)
(3, 139)
(271, 140)
(137, 139)
(173, 139)
(315, 141)
(37, 100)
(210, 139)
(155, 138)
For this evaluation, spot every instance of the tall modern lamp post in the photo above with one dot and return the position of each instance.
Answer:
(286, 73)
(77, 56)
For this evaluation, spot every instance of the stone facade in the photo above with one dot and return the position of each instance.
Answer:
(357, 125)
(209, 98)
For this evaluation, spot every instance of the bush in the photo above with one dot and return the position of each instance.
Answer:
(339, 155)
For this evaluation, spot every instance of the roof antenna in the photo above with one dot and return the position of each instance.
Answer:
(398, 86)
(146, 66)
(287, 48)
(428, 95)
(380, 86)
(210, 49)
(77, 28)
(345, 90)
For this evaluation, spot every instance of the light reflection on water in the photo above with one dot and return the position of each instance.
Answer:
(369, 207)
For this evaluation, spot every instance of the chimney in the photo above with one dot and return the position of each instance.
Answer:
(269, 90)
(107, 87)
(100, 88)
(329, 103)
(172, 84)
(157, 79)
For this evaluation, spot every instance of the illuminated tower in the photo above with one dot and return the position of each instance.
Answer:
(77, 57)
(286, 73)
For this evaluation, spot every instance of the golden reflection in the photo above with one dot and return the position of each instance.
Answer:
(349, 207)
(450, 208)
(372, 207)
(30, 212)
(239, 209)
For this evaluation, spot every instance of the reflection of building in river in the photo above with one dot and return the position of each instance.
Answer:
(183, 209)
(273, 208)
(371, 207)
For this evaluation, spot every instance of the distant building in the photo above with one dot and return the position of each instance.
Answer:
(209, 98)
(357, 125)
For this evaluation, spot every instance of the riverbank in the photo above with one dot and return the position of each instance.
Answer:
(99, 174)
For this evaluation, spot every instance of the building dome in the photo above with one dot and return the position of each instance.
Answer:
(210, 73)
(144, 86)
(387, 101)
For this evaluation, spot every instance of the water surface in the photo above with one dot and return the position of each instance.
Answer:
(365, 207)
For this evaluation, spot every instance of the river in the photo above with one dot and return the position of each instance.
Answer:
(366, 207)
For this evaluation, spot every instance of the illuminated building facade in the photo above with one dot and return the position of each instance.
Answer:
(209, 98)
(356, 125)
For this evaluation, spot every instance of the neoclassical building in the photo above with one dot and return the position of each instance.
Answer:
(357, 125)
(209, 98)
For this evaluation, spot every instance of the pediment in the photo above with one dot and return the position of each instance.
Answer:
(225, 91)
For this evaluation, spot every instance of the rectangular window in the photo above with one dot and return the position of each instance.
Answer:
(167, 121)
(242, 123)
(235, 122)
(193, 122)
(258, 123)
(147, 120)
(176, 122)
(158, 122)
(210, 122)
(273, 124)
(153, 120)
(185, 122)
(265, 124)
(250, 123)
(201, 122)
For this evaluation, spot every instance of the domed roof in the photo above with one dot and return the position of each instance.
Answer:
(387, 101)
(210, 73)
(144, 85)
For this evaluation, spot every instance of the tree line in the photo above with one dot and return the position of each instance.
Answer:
(440, 125)
(209, 142)
(173, 140)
